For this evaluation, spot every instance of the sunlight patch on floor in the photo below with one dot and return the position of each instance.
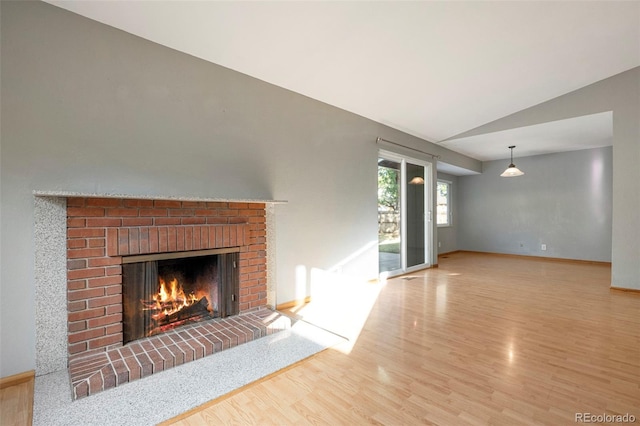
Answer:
(340, 304)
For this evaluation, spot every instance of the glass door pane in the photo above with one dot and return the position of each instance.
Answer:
(404, 223)
(389, 215)
(415, 213)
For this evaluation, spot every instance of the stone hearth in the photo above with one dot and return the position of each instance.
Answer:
(95, 373)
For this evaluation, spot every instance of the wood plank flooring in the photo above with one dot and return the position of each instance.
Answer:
(482, 339)
(16, 404)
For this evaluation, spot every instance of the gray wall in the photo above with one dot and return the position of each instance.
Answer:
(88, 108)
(620, 94)
(447, 235)
(563, 200)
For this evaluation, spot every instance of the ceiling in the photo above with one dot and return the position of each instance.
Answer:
(430, 69)
(589, 131)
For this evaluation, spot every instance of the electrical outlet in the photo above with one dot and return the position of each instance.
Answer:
(439, 244)
(543, 247)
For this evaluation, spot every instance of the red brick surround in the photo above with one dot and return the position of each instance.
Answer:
(102, 230)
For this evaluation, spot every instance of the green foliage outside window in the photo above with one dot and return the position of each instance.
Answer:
(388, 189)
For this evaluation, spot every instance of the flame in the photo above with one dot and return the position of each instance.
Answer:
(171, 298)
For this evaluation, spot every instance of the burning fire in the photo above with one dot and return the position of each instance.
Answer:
(171, 298)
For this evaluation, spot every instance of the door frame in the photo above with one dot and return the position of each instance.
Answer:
(428, 211)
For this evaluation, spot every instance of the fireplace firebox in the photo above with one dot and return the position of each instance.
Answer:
(164, 291)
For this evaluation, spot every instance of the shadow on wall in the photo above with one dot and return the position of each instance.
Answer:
(359, 265)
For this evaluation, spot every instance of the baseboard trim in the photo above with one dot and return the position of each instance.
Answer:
(17, 379)
(448, 253)
(628, 290)
(524, 256)
(293, 303)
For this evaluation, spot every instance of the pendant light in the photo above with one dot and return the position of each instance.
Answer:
(512, 170)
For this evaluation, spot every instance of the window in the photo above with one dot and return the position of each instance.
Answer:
(443, 192)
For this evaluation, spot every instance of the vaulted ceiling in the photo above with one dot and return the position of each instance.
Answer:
(431, 69)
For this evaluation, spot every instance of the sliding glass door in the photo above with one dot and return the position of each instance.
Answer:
(404, 191)
(415, 213)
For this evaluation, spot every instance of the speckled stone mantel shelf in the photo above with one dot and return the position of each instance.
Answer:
(68, 194)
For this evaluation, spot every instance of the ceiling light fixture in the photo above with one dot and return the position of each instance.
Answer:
(417, 181)
(512, 170)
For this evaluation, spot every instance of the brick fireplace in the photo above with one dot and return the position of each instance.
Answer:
(103, 231)
(82, 242)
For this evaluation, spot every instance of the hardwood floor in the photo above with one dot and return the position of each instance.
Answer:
(480, 340)
(16, 404)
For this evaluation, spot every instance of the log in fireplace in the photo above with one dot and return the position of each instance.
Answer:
(167, 290)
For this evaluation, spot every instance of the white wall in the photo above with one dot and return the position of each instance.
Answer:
(563, 200)
(88, 108)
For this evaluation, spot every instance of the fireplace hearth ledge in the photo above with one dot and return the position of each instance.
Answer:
(147, 402)
(144, 357)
